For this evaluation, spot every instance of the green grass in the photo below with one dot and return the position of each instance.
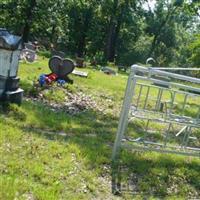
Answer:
(96, 83)
(37, 159)
(53, 155)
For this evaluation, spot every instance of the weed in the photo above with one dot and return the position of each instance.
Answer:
(16, 112)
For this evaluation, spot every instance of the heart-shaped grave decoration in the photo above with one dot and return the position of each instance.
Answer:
(61, 67)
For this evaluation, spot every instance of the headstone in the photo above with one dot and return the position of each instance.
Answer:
(58, 53)
(80, 73)
(10, 47)
(108, 70)
(80, 62)
(61, 67)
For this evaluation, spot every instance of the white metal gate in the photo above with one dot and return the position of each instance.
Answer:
(168, 100)
(164, 108)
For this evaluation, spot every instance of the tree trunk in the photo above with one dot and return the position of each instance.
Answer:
(114, 40)
(110, 46)
(52, 34)
(85, 26)
(81, 45)
(153, 46)
(29, 19)
(114, 30)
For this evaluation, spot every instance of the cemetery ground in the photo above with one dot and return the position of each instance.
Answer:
(58, 145)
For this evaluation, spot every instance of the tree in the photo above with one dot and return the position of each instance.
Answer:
(119, 10)
(161, 23)
(81, 16)
(114, 30)
(195, 49)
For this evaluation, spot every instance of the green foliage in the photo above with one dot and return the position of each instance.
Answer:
(195, 49)
(121, 31)
(46, 54)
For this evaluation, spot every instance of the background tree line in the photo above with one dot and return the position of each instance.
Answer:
(120, 31)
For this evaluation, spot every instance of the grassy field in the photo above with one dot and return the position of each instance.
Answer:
(50, 154)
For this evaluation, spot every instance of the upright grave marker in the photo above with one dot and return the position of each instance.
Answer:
(10, 47)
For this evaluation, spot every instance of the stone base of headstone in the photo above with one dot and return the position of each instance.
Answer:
(14, 96)
(12, 83)
(80, 62)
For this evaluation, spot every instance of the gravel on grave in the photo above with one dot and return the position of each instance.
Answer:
(73, 103)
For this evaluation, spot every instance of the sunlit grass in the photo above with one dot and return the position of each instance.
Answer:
(53, 155)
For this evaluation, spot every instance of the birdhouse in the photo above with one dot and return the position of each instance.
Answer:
(10, 48)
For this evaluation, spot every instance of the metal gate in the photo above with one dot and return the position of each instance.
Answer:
(160, 112)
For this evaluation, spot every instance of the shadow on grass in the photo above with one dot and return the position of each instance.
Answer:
(94, 132)
(156, 175)
(138, 173)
